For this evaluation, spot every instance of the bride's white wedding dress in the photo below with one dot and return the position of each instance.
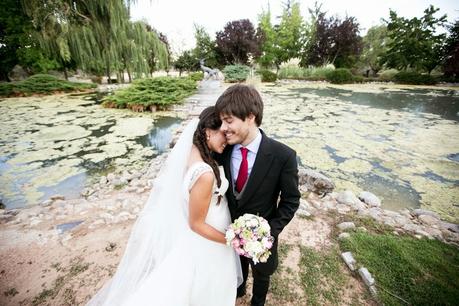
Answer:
(196, 271)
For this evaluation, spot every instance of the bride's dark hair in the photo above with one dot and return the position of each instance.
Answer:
(208, 119)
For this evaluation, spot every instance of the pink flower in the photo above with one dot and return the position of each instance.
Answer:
(267, 243)
(240, 251)
(235, 243)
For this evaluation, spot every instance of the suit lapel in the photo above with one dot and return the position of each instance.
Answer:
(227, 167)
(259, 170)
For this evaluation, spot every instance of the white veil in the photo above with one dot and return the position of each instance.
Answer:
(153, 234)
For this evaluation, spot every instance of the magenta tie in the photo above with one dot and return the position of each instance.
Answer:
(243, 170)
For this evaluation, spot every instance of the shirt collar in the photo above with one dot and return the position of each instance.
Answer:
(254, 145)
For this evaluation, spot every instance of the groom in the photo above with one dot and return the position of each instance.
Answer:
(263, 176)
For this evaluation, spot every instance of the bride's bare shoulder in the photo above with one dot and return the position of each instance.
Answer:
(194, 157)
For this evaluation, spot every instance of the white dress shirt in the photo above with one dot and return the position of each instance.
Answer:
(236, 156)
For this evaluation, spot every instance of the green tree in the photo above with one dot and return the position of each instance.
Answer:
(267, 39)
(96, 35)
(156, 49)
(414, 43)
(52, 22)
(186, 62)
(284, 41)
(375, 45)
(289, 33)
(451, 52)
(17, 46)
(205, 47)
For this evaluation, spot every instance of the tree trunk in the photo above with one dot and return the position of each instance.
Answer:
(107, 71)
(65, 74)
(129, 75)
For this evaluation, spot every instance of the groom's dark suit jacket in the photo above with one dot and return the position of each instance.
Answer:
(272, 188)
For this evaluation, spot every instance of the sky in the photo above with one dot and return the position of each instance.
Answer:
(175, 18)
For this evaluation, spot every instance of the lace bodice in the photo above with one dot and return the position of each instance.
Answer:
(218, 214)
(199, 168)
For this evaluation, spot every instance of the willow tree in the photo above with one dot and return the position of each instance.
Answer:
(157, 50)
(96, 34)
(53, 24)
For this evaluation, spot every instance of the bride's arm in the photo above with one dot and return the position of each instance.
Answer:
(200, 196)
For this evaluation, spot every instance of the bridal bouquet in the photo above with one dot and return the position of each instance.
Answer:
(250, 236)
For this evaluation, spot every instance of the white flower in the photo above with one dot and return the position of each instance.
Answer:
(253, 222)
(254, 247)
(230, 235)
(265, 227)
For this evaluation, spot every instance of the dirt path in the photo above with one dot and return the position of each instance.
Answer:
(40, 268)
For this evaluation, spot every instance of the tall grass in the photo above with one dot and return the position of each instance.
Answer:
(298, 73)
(419, 271)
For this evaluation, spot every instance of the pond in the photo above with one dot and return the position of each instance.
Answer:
(58, 144)
(399, 143)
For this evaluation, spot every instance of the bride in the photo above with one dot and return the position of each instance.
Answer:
(176, 254)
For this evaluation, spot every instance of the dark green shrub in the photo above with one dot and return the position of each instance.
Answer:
(358, 79)
(236, 73)
(6, 89)
(340, 76)
(369, 80)
(196, 76)
(414, 78)
(388, 75)
(267, 75)
(448, 79)
(42, 84)
(152, 93)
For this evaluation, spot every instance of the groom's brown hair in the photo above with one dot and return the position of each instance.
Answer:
(240, 101)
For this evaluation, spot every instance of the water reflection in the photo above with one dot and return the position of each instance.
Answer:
(161, 135)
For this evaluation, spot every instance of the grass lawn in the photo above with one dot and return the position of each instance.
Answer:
(419, 271)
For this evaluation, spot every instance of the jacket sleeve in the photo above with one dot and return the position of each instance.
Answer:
(289, 196)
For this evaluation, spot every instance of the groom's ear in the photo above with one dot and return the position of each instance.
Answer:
(251, 118)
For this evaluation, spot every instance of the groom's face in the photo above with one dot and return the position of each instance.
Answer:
(236, 130)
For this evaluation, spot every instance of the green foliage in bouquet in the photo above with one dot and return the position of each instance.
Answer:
(152, 93)
(43, 84)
